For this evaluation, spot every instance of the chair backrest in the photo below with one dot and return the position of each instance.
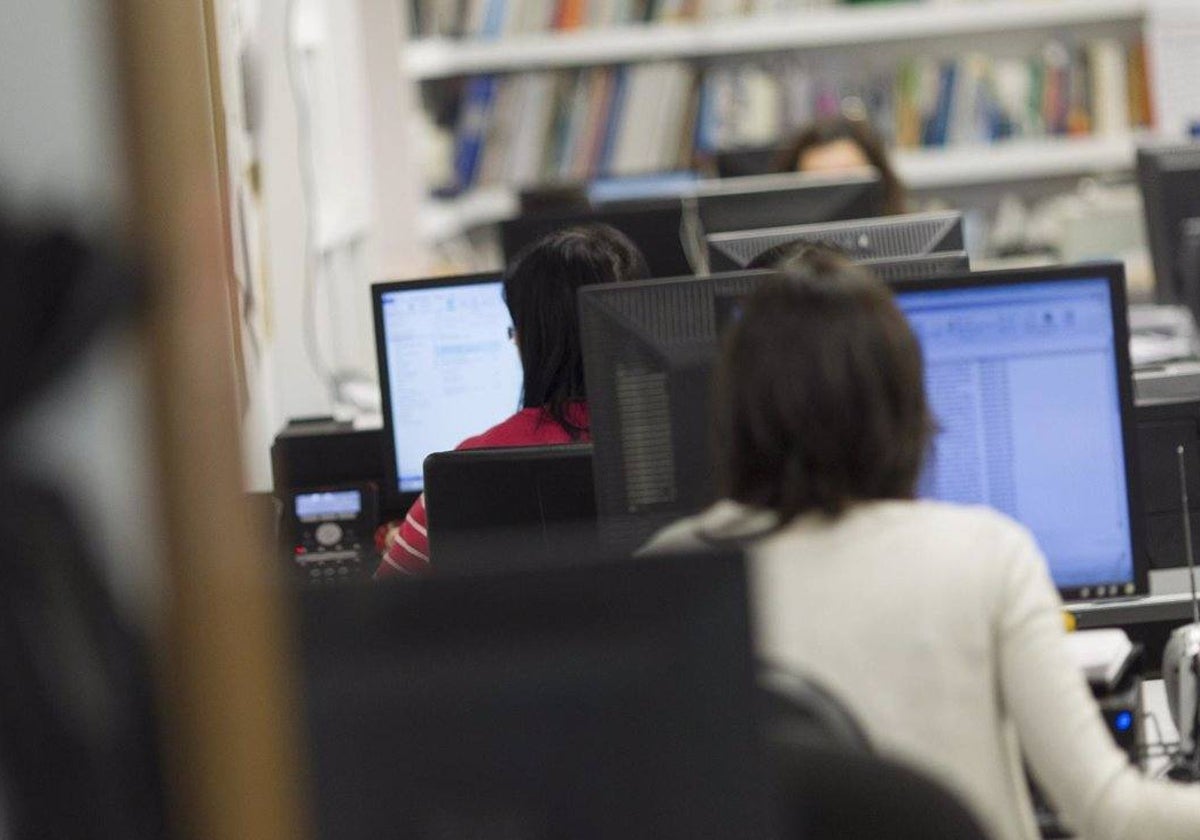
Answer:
(830, 793)
(501, 509)
(797, 711)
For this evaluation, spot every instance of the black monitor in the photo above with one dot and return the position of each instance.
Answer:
(749, 160)
(1162, 427)
(670, 228)
(655, 226)
(648, 354)
(1027, 373)
(791, 198)
(869, 241)
(447, 370)
(498, 509)
(1170, 181)
(613, 702)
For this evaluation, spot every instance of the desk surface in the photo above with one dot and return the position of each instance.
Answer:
(1169, 600)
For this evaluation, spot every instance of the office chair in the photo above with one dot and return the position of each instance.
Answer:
(798, 712)
(829, 793)
(831, 786)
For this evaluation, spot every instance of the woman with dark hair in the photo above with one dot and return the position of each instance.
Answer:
(936, 624)
(838, 143)
(540, 289)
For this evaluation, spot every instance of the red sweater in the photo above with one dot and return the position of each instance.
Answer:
(406, 547)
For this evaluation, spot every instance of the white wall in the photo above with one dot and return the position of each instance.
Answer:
(367, 187)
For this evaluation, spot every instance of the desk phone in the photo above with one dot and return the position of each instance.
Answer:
(332, 530)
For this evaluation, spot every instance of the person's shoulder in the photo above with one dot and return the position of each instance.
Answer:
(987, 529)
(518, 430)
(531, 427)
(726, 522)
(954, 514)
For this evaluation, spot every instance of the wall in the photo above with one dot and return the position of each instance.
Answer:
(367, 192)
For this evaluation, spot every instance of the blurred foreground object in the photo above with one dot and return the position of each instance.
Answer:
(78, 752)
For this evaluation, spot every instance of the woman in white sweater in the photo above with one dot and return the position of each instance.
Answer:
(936, 624)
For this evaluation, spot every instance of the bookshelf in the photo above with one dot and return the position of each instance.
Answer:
(441, 58)
(851, 30)
(921, 170)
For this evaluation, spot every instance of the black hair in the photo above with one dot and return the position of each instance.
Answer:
(540, 289)
(859, 131)
(821, 394)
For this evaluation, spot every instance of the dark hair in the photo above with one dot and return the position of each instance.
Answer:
(821, 397)
(540, 289)
(796, 252)
(831, 130)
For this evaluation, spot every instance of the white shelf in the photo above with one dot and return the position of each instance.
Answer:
(925, 169)
(1016, 160)
(442, 58)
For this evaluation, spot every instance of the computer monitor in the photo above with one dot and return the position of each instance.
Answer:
(867, 241)
(608, 702)
(648, 354)
(655, 226)
(670, 229)
(637, 187)
(1029, 379)
(1170, 181)
(447, 370)
(751, 160)
(493, 510)
(1027, 373)
(791, 198)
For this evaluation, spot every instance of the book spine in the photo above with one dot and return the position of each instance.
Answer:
(472, 128)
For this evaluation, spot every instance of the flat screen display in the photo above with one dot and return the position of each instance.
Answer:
(339, 504)
(449, 367)
(1023, 381)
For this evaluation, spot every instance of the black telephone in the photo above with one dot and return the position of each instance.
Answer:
(332, 531)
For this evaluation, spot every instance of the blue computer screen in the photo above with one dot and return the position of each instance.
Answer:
(452, 370)
(1022, 379)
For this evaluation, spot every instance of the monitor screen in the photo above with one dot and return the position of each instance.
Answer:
(636, 187)
(447, 367)
(1024, 383)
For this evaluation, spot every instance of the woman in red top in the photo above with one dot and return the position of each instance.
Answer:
(539, 288)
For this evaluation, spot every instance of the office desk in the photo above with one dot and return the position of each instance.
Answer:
(1147, 619)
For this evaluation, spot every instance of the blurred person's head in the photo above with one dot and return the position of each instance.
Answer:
(794, 254)
(540, 288)
(839, 144)
(820, 396)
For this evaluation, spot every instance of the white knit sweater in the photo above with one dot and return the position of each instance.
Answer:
(939, 627)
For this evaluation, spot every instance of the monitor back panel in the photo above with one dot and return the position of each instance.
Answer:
(654, 226)
(912, 235)
(613, 702)
(495, 510)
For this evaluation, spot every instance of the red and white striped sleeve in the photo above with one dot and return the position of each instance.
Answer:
(406, 549)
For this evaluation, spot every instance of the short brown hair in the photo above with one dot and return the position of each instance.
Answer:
(820, 394)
